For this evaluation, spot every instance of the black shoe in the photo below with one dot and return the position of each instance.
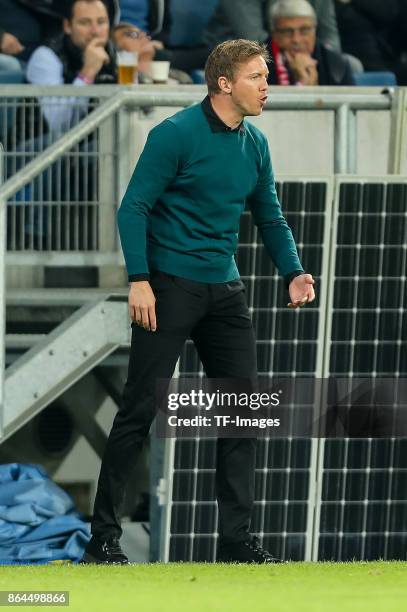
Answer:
(249, 551)
(104, 551)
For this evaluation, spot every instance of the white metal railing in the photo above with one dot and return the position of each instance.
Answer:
(62, 216)
(339, 102)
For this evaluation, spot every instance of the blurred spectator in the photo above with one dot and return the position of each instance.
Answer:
(298, 58)
(327, 27)
(81, 56)
(150, 14)
(364, 27)
(128, 37)
(20, 33)
(247, 19)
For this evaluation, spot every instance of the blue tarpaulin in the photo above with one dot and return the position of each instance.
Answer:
(38, 520)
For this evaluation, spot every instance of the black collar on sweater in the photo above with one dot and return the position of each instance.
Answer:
(215, 123)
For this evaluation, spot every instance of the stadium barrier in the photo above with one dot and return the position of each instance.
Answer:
(63, 188)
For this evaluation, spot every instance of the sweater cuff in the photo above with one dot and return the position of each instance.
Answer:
(289, 277)
(138, 277)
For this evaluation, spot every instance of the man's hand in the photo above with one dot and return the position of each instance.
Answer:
(140, 43)
(142, 305)
(301, 291)
(10, 45)
(157, 44)
(304, 68)
(93, 58)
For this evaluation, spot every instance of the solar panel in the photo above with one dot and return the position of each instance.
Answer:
(315, 499)
(363, 504)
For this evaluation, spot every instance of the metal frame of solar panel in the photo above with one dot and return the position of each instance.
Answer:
(361, 506)
(308, 491)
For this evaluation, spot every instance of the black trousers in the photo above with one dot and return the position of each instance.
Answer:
(217, 319)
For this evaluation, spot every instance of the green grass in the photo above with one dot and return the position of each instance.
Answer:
(198, 587)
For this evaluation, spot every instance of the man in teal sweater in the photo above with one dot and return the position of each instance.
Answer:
(179, 223)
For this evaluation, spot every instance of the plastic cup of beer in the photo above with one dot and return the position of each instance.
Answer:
(127, 64)
(159, 71)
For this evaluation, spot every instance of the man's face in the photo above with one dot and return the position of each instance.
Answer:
(90, 20)
(295, 35)
(248, 90)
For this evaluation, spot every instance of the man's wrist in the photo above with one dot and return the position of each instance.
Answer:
(87, 76)
(136, 278)
(290, 277)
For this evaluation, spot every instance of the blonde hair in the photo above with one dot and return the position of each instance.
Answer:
(226, 57)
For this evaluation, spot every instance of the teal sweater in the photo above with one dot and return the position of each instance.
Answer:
(181, 211)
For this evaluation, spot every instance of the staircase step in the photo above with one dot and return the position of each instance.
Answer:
(22, 341)
(59, 297)
(55, 361)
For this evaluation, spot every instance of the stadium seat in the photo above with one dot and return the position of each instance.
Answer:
(11, 77)
(198, 77)
(188, 20)
(373, 79)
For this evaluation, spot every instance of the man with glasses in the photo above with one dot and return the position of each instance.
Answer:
(298, 58)
(247, 19)
(128, 37)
